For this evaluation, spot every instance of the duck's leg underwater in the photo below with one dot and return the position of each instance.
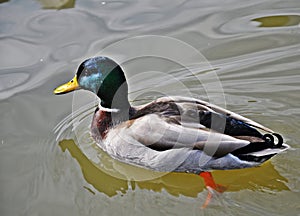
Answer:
(210, 185)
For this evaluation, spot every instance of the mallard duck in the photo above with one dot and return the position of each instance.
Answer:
(170, 134)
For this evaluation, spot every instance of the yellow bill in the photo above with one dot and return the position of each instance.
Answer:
(67, 87)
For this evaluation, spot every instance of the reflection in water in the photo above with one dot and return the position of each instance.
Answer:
(278, 21)
(100, 180)
(2, 1)
(264, 178)
(57, 4)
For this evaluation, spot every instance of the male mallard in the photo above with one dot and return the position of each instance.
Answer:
(177, 134)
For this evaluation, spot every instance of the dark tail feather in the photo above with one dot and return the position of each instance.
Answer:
(258, 146)
(261, 151)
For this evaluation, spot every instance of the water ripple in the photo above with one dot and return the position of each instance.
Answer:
(10, 80)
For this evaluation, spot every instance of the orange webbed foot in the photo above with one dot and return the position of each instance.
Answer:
(211, 187)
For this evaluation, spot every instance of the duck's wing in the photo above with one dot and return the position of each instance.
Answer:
(180, 122)
(235, 116)
(197, 104)
(156, 133)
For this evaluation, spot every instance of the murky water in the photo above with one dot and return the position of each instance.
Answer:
(49, 165)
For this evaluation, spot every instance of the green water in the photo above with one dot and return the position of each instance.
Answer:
(49, 165)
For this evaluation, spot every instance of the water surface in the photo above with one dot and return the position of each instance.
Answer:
(50, 166)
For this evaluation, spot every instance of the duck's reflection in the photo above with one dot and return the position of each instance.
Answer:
(2, 1)
(110, 177)
(57, 4)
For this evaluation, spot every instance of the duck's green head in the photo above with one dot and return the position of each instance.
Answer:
(102, 76)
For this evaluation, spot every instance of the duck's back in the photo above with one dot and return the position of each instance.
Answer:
(195, 113)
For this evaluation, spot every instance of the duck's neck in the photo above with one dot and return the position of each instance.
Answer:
(119, 107)
(118, 102)
(126, 110)
(106, 118)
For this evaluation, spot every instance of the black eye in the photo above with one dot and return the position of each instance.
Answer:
(72, 81)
